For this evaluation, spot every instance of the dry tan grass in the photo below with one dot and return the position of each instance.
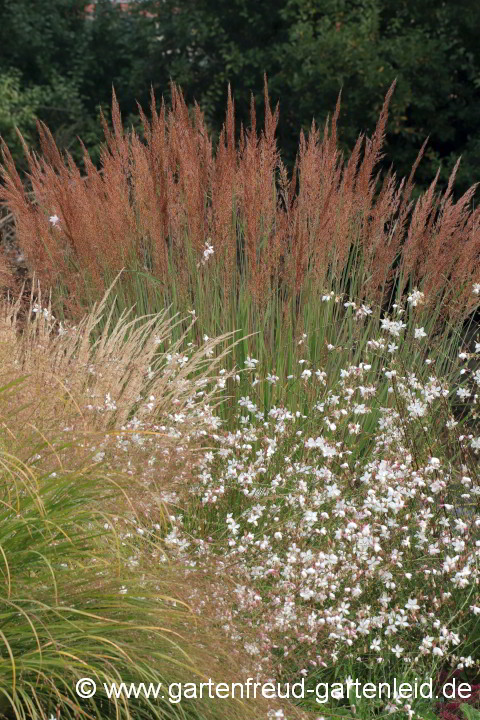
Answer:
(151, 196)
(88, 391)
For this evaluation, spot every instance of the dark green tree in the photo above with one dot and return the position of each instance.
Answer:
(58, 66)
(40, 47)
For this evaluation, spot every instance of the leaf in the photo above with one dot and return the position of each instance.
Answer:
(470, 712)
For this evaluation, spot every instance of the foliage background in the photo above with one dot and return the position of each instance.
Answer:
(59, 67)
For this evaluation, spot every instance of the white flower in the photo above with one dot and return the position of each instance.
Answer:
(427, 643)
(232, 525)
(449, 563)
(392, 326)
(417, 409)
(363, 311)
(310, 516)
(412, 604)
(43, 311)
(397, 650)
(109, 403)
(206, 253)
(54, 219)
(416, 297)
(272, 378)
(475, 443)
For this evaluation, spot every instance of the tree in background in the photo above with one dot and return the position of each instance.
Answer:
(59, 67)
(17, 109)
(40, 50)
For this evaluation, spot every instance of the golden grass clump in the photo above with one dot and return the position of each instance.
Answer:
(103, 389)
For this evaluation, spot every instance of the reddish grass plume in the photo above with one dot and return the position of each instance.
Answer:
(148, 197)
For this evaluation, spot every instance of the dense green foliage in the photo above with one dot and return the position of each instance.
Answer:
(59, 67)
